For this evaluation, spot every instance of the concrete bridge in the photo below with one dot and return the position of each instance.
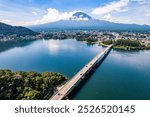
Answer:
(68, 87)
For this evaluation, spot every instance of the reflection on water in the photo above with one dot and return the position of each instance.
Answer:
(54, 46)
(11, 44)
(64, 56)
(137, 59)
(123, 75)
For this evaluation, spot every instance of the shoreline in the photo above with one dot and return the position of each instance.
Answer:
(127, 48)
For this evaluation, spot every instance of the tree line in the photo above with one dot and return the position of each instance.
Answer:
(123, 42)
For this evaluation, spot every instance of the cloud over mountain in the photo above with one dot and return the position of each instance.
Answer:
(54, 15)
(116, 6)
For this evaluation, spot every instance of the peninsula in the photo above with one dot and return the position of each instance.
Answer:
(126, 44)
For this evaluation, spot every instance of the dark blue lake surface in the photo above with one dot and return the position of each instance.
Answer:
(123, 75)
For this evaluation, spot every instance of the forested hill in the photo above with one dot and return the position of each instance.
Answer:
(6, 29)
(28, 85)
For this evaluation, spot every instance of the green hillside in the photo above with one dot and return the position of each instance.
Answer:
(6, 29)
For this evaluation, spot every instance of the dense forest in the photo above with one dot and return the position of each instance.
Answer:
(123, 42)
(108, 42)
(28, 85)
(126, 44)
(6, 29)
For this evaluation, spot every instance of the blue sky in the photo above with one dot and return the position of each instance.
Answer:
(28, 12)
(63, 5)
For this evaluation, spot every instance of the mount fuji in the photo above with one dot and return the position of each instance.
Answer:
(82, 21)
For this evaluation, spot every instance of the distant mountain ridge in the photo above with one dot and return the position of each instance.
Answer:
(6, 29)
(80, 20)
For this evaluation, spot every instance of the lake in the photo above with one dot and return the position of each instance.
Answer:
(122, 76)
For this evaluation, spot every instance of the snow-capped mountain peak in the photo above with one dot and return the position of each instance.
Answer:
(80, 16)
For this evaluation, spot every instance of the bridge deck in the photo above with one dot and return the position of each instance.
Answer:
(68, 86)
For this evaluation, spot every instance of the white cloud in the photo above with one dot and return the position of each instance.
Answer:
(148, 14)
(108, 17)
(126, 20)
(37, 16)
(11, 22)
(111, 7)
(34, 13)
(54, 15)
(5, 20)
(16, 23)
(124, 11)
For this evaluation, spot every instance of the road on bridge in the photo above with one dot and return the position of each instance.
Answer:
(71, 83)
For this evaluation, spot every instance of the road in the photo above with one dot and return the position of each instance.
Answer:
(71, 83)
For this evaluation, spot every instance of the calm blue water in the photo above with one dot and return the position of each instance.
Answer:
(123, 75)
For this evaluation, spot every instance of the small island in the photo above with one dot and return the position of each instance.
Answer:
(126, 44)
(28, 85)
